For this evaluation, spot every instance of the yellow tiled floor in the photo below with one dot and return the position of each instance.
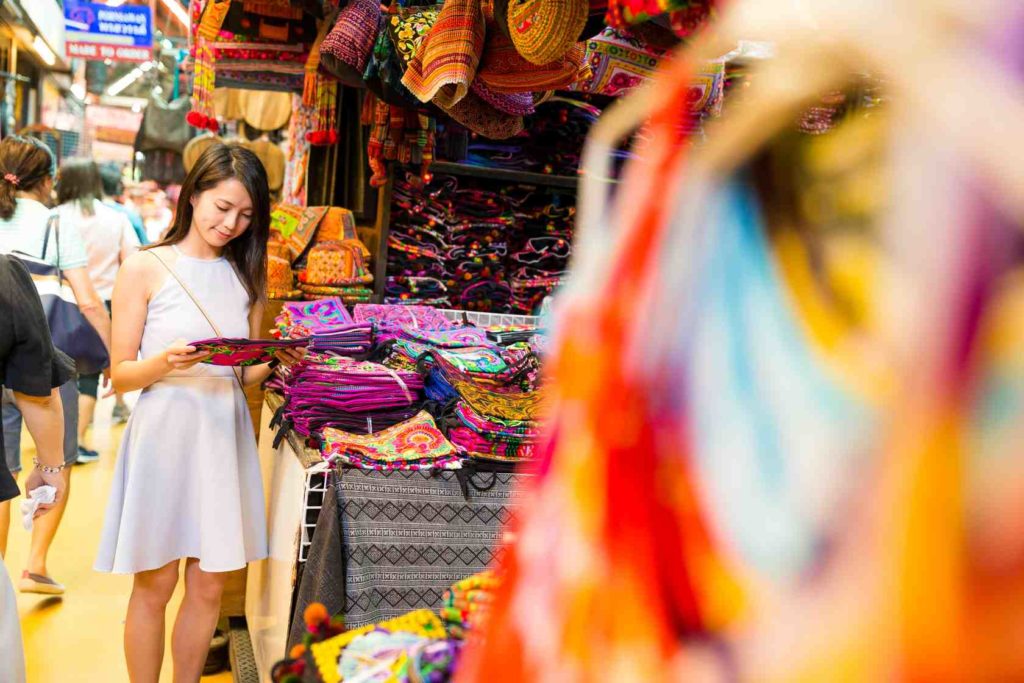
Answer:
(78, 638)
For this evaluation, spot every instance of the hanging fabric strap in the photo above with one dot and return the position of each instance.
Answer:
(216, 330)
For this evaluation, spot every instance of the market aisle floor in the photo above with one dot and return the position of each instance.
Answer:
(79, 638)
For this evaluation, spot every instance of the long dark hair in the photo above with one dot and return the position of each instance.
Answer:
(247, 252)
(25, 163)
(79, 182)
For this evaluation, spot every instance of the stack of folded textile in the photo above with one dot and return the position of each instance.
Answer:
(281, 279)
(464, 605)
(491, 397)
(447, 246)
(424, 290)
(511, 369)
(415, 444)
(491, 438)
(304, 318)
(449, 338)
(539, 249)
(343, 340)
(495, 425)
(389, 320)
(354, 396)
(337, 268)
(417, 244)
(411, 343)
(475, 249)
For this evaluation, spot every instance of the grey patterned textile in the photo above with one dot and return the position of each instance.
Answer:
(408, 536)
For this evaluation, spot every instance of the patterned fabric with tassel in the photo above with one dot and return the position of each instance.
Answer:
(204, 80)
(397, 134)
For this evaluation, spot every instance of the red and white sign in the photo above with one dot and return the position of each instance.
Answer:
(117, 53)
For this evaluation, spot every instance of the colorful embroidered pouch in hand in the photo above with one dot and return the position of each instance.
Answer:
(244, 352)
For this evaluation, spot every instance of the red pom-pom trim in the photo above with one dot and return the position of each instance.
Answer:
(196, 119)
(332, 137)
(309, 137)
(213, 125)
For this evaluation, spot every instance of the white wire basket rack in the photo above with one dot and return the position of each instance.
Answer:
(489, 319)
(317, 488)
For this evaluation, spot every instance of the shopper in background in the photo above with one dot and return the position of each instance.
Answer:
(152, 203)
(27, 172)
(32, 370)
(113, 189)
(187, 484)
(109, 240)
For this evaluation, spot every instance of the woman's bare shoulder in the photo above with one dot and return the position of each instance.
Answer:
(144, 268)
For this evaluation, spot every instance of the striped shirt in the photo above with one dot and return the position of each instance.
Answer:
(25, 230)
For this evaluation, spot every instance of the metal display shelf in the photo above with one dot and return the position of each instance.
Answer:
(488, 319)
(451, 168)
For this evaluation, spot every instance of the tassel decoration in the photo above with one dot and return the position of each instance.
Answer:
(324, 113)
(310, 81)
(204, 80)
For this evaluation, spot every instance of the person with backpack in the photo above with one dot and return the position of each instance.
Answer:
(109, 240)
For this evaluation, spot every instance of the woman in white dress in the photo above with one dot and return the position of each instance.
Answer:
(187, 484)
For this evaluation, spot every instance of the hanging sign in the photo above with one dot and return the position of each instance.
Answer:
(121, 34)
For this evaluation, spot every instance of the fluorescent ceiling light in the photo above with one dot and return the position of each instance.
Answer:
(177, 10)
(44, 51)
(118, 86)
(115, 3)
(78, 90)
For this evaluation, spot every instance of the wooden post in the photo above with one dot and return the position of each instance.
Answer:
(383, 228)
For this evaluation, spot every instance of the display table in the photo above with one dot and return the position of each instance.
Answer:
(287, 472)
(404, 537)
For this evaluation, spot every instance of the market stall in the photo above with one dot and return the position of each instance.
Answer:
(426, 215)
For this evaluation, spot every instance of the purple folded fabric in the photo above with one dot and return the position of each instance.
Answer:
(304, 318)
(453, 338)
(335, 391)
(390, 319)
(350, 339)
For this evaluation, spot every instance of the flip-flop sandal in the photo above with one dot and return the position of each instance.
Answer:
(37, 583)
(217, 658)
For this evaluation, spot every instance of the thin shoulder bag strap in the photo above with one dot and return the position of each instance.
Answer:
(55, 220)
(52, 224)
(46, 237)
(216, 330)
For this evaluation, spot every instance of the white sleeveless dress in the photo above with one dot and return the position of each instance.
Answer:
(187, 482)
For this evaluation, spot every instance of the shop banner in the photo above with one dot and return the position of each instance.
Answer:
(121, 34)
